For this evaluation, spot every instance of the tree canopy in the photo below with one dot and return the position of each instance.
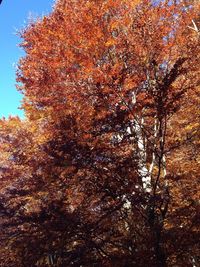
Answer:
(104, 169)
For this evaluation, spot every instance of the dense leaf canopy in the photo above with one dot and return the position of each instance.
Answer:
(104, 169)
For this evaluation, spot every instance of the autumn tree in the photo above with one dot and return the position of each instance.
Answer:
(91, 175)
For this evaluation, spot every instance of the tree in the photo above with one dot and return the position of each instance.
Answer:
(102, 83)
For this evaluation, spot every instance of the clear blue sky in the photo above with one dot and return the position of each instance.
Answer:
(14, 15)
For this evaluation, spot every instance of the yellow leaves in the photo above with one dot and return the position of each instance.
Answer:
(35, 50)
(129, 83)
(41, 139)
(131, 3)
(191, 127)
(110, 42)
(89, 4)
(114, 25)
(51, 32)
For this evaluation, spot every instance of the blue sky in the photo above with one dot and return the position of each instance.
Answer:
(14, 15)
